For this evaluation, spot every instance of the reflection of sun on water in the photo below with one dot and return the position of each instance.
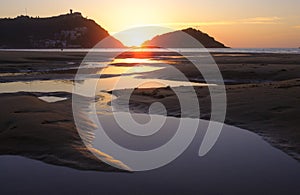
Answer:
(137, 61)
(123, 73)
(132, 60)
(111, 70)
(131, 65)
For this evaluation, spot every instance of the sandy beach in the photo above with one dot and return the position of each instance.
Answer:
(262, 93)
(159, 97)
(45, 131)
(262, 96)
(269, 109)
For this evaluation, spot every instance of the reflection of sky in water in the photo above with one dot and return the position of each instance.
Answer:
(124, 72)
(11, 74)
(51, 99)
(37, 86)
(240, 163)
(239, 157)
(103, 84)
(110, 70)
(126, 82)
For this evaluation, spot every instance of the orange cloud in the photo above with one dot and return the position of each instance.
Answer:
(255, 20)
(261, 20)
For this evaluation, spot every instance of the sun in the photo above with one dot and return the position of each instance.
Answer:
(136, 36)
(135, 39)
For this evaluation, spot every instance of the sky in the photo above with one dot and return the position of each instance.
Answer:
(236, 23)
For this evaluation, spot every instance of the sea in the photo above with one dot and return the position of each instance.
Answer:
(212, 50)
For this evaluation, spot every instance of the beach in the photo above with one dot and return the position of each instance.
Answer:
(262, 97)
(159, 97)
(46, 131)
(268, 109)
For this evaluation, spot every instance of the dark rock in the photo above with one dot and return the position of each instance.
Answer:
(64, 31)
(180, 39)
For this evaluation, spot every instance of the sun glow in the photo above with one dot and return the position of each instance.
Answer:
(136, 36)
(135, 39)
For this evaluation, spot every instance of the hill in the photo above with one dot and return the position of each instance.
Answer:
(65, 31)
(178, 39)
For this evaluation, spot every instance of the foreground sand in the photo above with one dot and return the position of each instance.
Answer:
(263, 95)
(45, 131)
(270, 109)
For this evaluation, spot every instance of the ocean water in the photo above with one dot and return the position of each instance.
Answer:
(213, 50)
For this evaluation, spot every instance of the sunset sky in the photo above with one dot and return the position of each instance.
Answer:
(237, 23)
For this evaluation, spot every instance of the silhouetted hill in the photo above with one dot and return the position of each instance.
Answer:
(178, 39)
(64, 31)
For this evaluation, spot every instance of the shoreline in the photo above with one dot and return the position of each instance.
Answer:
(272, 103)
(248, 107)
(46, 131)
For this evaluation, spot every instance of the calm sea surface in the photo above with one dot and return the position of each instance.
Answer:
(214, 50)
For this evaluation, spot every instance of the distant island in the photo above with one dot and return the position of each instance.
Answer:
(70, 30)
(176, 40)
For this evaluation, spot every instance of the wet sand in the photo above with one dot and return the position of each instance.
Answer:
(45, 131)
(263, 96)
(269, 109)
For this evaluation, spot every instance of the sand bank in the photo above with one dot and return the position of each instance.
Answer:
(45, 131)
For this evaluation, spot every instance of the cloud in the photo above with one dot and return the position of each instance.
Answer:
(261, 20)
(298, 27)
(199, 23)
(255, 20)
